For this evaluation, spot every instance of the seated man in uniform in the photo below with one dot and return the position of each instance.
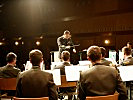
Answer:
(129, 45)
(128, 59)
(65, 55)
(9, 71)
(103, 60)
(100, 80)
(40, 83)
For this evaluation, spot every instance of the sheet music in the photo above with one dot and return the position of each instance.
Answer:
(28, 66)
(112, 54)
(85, 63)
(73, 72)
(56, 75)
(112, 60)
(121, 56)
(54, 64)
(126, 73)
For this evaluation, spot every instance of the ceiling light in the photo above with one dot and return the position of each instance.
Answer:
(16, 43)
(1, 43)
(41, 37)
(107, 41)
(19, 38)
(37, 43)
(22, 42)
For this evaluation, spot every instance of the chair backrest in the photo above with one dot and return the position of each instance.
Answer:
(108, 97)
(42, 98)
(65, 83)
(7, 83)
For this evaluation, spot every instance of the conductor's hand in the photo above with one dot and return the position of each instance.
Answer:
(74, 50)
(62, 46)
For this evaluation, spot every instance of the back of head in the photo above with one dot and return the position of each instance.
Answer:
(126, 50)
(103, 51)
(66, 32)
(36, 57)
(94, 53)
(65, 55)
(11, 57)
(129, 44)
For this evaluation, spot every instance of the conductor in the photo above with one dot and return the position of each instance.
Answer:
(65, 43)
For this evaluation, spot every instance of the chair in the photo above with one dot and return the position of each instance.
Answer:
(108, 97)
(65, 84)
(42, 98)
(7, 84)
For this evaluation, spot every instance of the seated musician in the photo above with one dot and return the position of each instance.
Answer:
(100, 80)
(65, 55)
(103, 60)
(9, 71)
(40, 83)
(128, 59)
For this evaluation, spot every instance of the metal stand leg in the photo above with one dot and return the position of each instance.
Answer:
(130, 92)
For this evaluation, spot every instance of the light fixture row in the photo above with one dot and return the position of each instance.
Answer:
(21, 43)
(17, 43)
(38, 43)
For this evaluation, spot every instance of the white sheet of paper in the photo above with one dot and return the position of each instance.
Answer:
(112, 60)
(54, 64)
(56, 75)
(121, 57)
(112, 54)
(85, 63)
(126, 73)
(73, 72)
(28, 66)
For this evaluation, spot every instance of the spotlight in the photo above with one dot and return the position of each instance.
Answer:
(19, 38)
(16, 43)
(3, 39)
(1, 43)
(41, 37)
(107, 41)
(37, 43)
(22, 42)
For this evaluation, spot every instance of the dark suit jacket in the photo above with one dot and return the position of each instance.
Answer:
(101, 80)
(105, 62)
(36, 83)
(128, 61)
(62, 67)
(66, 42)
(9, 71)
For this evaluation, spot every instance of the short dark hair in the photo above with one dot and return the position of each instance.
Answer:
(11, 57)
(94, 53)
(103, 51)
(129, 43)
(65, 55)
(126, 50)
(66, 32)
(35, 57)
